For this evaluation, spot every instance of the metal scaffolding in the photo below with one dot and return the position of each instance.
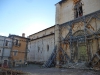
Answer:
(70, 39)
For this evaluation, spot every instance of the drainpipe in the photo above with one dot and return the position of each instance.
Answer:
(3, 49)
(26, 50)
(11, 51)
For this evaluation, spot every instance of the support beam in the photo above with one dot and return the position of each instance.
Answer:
(57, 43)
(89, 20)
(70, 36)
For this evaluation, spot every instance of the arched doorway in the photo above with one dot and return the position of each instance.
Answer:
(79, 47)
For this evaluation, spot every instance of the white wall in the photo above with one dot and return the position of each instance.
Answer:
(5, 50)
(1, 41)
(64, 12)
(1, 44)
(90, 6)
(42, 54)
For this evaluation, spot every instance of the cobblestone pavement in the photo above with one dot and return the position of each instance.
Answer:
(38, 70)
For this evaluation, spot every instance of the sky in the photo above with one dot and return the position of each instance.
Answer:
(26, 16)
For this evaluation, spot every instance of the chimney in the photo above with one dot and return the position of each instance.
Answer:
(23, 34)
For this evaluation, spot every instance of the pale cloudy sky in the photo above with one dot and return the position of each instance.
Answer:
(26, 16)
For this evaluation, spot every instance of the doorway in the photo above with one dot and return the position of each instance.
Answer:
(82, 53)
(5, 64)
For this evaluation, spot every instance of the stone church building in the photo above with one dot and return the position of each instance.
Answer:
(76, 34)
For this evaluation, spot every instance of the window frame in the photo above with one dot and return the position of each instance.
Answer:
(78, 9)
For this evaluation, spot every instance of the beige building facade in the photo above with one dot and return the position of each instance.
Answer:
(65, 9)
(78, 27)
(19, 50)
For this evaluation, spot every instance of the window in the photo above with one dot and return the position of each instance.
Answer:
(6, 43)
(5, 63)
(16, 42)
(15, 53)
(38, 49)
(78, 10)
(20, 60)
(47, 47)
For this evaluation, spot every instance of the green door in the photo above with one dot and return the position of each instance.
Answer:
(82, 53)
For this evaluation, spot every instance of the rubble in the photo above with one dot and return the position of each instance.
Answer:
(82, 65)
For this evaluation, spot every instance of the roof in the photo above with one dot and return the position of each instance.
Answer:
(11, 35)
(60, 2)
(42, 37)
(42, 30)
(3, 36)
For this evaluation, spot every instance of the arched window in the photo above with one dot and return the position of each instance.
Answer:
(47, 47)
(78, 10)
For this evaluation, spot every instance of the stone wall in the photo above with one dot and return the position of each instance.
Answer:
(41, 45)
(65, 9)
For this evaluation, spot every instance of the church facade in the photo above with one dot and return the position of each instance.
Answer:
(76, 34)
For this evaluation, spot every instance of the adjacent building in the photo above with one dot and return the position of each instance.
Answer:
(5, 51)
(19, 49)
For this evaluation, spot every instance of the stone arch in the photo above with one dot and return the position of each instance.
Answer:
(79, 33)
